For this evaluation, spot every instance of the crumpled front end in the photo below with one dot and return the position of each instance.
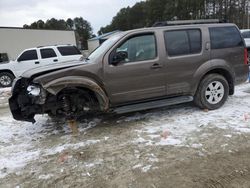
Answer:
(26, 100)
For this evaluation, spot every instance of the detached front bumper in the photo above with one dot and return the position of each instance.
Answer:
(18, 112)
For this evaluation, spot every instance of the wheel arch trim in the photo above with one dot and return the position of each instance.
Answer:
(57, 85)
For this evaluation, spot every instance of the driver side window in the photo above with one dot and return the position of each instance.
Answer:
(28, 55)
(139, 48)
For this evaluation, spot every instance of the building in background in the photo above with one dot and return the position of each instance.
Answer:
(14, 40)
(97, 41)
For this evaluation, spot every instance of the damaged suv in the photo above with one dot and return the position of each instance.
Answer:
(137, 70)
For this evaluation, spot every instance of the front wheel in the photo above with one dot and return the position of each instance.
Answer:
(6, 79)
(212, 92)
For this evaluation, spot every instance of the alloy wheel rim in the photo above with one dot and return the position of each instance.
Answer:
(5, 80)
(214, 92)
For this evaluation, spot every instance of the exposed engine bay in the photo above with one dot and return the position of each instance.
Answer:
(29, 99)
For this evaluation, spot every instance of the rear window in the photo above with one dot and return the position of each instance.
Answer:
(225, 37)
(68, 50)
(246, 34)
(47, 53)
(183, 42)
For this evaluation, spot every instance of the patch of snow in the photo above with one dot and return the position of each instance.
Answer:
(175, 125)
(59, 149)
(45, 177)
(228, 136)
(146, 168)
(18, 143)
(92, 164)
(169, 141)
(137, 166)
(196, 145)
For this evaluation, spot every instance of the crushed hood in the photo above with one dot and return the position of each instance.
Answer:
(52, 67)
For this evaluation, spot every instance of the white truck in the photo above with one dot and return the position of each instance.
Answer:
(35, 57)
(246, 35)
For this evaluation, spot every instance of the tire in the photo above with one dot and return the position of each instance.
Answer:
(6, 79)
(212, 92)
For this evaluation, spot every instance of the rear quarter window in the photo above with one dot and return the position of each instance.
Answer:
(246, 34)
(225, 37)
(68, 50)
(183, 42)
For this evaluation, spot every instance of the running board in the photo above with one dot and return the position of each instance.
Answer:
(152, 104)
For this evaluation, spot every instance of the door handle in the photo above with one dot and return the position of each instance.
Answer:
(156, 66)
(55, 60)
(37, 62)
(207, 47)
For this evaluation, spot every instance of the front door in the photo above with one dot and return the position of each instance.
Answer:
(140, 75)
(27, 60)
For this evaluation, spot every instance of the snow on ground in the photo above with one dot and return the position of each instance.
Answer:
(4, 95)
(19, 140)
(22, 143)
(175, 127)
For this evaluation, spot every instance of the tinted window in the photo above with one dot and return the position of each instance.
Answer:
(195, 40)
(28, 55)
(225, 37)
(47, 53)
(68, 50)
(183, 42)
(139, 48)
(246, 34)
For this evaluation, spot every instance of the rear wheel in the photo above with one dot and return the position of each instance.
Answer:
(212, 92)
(6, 79)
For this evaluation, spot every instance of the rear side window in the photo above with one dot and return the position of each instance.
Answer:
(28, 55)
(246, 34)
(68, 50)
(225, 37)
(183, 42)
(47, 53)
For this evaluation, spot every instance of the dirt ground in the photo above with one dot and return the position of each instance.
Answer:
(179, 146)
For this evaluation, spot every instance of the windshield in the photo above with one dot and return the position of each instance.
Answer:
(104, 46)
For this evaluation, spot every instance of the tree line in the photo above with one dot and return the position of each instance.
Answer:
(81, 27)
(146, 13)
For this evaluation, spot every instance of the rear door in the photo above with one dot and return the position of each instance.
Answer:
(48, 56)
(27, 60)
(140, 76)
(186, 51)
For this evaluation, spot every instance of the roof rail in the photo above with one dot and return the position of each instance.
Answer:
(187, 22)
(55, 45)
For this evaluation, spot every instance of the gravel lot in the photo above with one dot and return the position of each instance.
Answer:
(179, 146)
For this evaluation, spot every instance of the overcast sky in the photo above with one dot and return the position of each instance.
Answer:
(99, 13)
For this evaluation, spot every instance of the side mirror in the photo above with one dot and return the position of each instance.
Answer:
(119, 57)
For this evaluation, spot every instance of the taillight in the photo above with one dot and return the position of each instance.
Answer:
(245, 57)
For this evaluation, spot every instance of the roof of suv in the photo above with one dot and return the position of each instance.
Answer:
(50, 46)
(181, 26)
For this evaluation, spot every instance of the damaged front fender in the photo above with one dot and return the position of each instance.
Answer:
(57, 85)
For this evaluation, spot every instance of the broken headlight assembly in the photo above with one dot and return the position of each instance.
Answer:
(34, 90)
(37, 93)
